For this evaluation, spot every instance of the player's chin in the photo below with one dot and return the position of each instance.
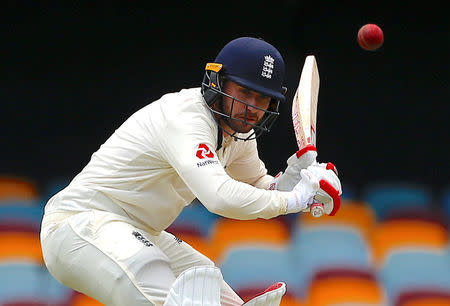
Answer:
(242, 128)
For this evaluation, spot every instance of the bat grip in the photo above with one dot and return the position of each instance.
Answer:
(316, 210)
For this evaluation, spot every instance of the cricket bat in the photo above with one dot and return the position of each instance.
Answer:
(304, 112)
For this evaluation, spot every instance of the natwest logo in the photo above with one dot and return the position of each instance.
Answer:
(203, 151)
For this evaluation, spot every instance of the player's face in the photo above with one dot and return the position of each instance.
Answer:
(251, 112)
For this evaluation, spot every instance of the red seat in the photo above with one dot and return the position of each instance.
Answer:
(423, 298)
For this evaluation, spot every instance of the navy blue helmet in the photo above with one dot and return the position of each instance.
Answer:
(251, 63)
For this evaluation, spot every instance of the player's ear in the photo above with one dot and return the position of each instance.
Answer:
(283, 90)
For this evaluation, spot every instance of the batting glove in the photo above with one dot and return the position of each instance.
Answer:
(300, 160)
(303, 192)
(330, 191)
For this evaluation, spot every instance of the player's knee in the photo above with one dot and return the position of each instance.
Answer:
(132, 293)
(196, 285)
(152, 279)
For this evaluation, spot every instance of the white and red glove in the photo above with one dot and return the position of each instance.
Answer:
(303, 193)
(300, 160)
(318, 184)
(269, 297)
(330, 191)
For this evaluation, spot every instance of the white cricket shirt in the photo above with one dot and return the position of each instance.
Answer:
(162, 158)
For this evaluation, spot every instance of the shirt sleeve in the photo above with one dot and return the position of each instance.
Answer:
(188, 143)
(248, 168)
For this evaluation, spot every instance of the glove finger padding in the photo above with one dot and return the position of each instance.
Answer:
(330, 187)
(296, 162)
(329, 197)
(304, 157)
(327, 172)
(303, 193)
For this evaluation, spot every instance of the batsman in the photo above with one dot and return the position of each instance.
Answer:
(104, 234)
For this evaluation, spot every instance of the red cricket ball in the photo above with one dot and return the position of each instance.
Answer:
(370, 37)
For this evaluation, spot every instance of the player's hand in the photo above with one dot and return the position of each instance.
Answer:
(303, 192)
(300, 160)
(330, 191)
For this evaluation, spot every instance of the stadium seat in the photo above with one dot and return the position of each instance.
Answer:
(390, 196)
(353, 214)
(201, 244)
(326, 247)
(14, 215)
(17, 189)
(409, 229)
(229, 233)
(291, 300)
(339, 286)
(428, 297)
(19, 227)
(20, 246)
(448, 250)
(24, 282)
(446, 202)
(79, 299)
(27, 303)
(194, 219)
(251, 269)
(348, 192)
(414, 271)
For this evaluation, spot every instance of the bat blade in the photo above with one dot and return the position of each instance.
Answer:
(304, 113)
(304, 104)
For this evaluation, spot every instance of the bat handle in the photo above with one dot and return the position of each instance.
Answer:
(316, 210)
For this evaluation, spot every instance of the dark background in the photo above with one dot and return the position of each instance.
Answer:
(73, 72)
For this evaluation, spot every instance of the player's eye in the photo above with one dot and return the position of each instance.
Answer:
(245, 91)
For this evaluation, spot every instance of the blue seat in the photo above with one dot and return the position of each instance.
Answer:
(446, 202)
(21, 202)
(324, 247)
(194, 218)
(448, 250)
(24, 281)
(258, 266)
(415, 270)
(390, 196)
(21, 215)
(348, 192)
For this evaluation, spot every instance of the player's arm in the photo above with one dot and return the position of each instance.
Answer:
(189, 147)
(193, 157)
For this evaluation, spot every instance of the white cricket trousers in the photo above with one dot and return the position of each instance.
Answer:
(103, 256)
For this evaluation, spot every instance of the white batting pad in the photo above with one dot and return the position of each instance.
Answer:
(270, 297)
(196, 286)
